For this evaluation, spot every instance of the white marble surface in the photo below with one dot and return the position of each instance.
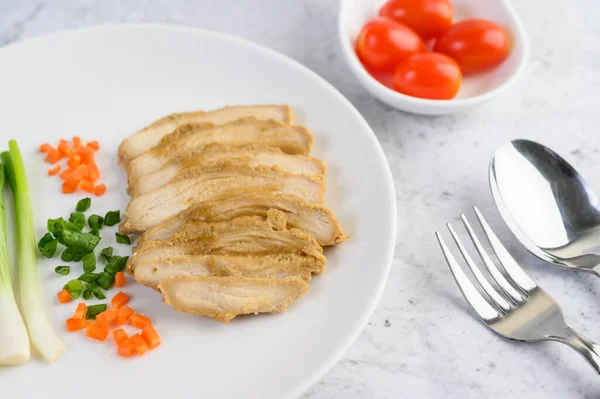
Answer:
(422, 341)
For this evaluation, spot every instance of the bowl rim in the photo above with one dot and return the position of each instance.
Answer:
(387, 93)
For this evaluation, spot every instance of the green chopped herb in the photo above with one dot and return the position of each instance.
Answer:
(115, 264)
(83, 205)
(112, 218)
(78, 220)
(75, 285)
(75, 294)
(77, 256)
(79, 242)
(64, 270)
(88, 277)
(68, 255)
(47, 245)
(105, 280)
(66, 287)
(97, 292)
(122, 239)
(106, 253)
(87, 293)
(95, 222)
(94, 310)
(89, 262)
(57, 226)
(95, 232)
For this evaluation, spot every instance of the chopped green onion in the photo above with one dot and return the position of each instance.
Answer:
(106, 253)
(116, 264)
(75, 285)
(41, 333)
(123, 239)
(89, 262)
(75, 294)
(88, 277)
(67, 255)
(80, 242)
(77, 256)
(112, 218)
(78, 220)
(83, 205)
(48, 245)
(95, 222)
(97, 292)
(95, 232)
(66, 287)
(64, 270)
(94, 310)
(105, 280)
(87, 293)
(57, 226)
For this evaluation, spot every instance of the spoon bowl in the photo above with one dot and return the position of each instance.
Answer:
(547, 204)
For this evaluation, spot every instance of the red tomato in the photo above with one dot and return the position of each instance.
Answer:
(428, 75)
(426, 17)
(383, 43)
(476, 44)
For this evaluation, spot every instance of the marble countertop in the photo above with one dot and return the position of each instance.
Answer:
(422, 341)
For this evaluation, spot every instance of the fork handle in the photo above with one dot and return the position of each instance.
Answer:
(585, 346)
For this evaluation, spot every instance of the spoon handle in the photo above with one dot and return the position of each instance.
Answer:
(583, 345)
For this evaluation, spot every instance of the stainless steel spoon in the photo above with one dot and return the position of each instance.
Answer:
(547, 205)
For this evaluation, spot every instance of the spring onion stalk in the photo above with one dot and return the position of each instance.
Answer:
(14, 341)
(41, 333)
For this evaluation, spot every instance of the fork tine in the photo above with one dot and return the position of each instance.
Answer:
(502, 282)
(516, 273)
(491, 291)
(480, 305)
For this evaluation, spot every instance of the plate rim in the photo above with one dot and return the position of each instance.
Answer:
(320, 371)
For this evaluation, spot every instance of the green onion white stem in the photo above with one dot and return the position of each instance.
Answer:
(41, 333)
(14, 341)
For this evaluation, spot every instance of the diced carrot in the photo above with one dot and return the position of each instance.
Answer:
(77, 142)
(71, 175)
(94, 145)
(75, 323)
(93, 172)
(53, 156)
(54, 171)
(64, 296)
(151, 337)
(65, 149)
(63, 141)
(86, 154)
(86, 185)
(80, 311)
(83, 170)
(99, 190)
(119, 300)
(123, 314)
(139, 321)
(97, 331)
(140, 345)
(119, 335)
(106, 317)
(44, 147)
(120, 276)
(126, 349)
(69, 187)
(74, 161)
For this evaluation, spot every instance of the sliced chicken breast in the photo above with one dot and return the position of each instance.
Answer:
(149, 136)
(155, 207)
(316, 220)
(191, 140)
(224, 298)
(151, 272)
(269, 157)
(250, 235)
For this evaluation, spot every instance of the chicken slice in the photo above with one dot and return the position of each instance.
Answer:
(224, 298)
(316, 220)
(191, 140)
(249, 235)
(156, 206)
(149, 136)
(151, 272)
(269, 157)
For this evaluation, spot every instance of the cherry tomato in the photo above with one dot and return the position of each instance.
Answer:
(428, 75)
(476, 44)
(426, 17)
(383, 43)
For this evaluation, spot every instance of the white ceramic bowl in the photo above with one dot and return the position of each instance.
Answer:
(474, 90)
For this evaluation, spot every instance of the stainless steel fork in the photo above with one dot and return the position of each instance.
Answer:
(522, 311)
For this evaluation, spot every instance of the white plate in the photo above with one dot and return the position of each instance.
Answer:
(105, 83)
